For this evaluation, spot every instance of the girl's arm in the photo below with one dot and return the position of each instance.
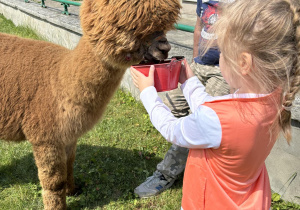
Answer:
(201, 129)
(193, 90)
(194, 93)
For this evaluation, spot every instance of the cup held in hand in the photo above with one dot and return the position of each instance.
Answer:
(166, 75)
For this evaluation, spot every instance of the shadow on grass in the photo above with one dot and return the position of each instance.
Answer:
(103, 174)
(19, 171)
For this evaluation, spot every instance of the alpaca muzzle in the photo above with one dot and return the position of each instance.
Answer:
(157, 49)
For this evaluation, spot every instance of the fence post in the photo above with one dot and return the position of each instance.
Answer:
(43, 3)
(66, 5)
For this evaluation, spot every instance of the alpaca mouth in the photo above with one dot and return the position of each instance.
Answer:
(166, 60)
(156, 57)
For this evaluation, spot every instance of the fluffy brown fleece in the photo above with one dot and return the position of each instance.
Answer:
(51, 95)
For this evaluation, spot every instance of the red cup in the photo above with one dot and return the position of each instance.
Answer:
(166, 74)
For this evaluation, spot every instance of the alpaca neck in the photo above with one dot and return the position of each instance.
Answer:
(87, 78)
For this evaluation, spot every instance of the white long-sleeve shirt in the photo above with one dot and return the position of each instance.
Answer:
(201, 129)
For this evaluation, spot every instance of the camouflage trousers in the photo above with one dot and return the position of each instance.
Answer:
(174, 161)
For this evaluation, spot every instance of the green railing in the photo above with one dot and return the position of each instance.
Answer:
(67, 4)
(183, 27)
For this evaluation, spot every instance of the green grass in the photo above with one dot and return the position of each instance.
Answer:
(7, 26)
(112, 159)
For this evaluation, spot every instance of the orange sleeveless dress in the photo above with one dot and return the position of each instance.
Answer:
(234, 176)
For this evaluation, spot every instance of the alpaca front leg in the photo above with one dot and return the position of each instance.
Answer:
(71, 152)
(52, 170)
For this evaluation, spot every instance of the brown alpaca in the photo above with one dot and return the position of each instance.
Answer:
(50, 95)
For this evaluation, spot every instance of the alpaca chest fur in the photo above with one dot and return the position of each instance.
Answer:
(50, 95)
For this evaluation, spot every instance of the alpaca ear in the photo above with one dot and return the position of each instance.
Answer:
(245, 63)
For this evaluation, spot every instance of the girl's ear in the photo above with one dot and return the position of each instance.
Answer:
(245, 63)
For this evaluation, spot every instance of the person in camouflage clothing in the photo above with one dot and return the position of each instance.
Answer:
(206, 68)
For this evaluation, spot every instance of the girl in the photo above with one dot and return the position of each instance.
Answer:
(231, 136)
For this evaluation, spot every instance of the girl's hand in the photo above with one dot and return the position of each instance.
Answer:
(186, 72)
(140, 80)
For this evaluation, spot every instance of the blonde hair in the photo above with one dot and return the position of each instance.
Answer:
(269, 30)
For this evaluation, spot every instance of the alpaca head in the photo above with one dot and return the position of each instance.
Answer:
(124, 32)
